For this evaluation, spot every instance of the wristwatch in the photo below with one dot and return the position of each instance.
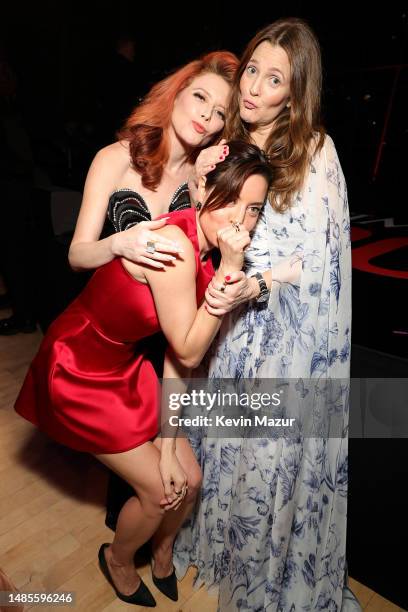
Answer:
(264, 291)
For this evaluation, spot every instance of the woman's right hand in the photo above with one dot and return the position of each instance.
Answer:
(174, 481)
(232, 244)
(209, 157)
(132, 244)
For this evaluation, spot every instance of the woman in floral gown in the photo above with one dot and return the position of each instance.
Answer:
(269, 532)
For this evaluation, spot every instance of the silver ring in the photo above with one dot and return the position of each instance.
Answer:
(151, 247)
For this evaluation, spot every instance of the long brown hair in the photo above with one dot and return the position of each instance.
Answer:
(147, 127)
(289, 142)
(228, 177)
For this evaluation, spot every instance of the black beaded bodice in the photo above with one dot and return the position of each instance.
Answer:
(126, 207)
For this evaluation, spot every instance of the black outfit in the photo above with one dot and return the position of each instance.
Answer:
(127, 208)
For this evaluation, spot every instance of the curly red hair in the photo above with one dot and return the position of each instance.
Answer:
(147, 127)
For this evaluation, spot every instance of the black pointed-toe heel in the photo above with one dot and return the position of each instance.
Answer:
(167, 585)
(141, 597)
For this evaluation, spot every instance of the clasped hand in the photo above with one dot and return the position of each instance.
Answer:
(174, 481)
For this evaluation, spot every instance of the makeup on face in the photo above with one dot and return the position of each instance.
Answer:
(199, 109)
(265, 84)
(244, 211)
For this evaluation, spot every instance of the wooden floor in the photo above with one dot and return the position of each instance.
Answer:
(52, 511)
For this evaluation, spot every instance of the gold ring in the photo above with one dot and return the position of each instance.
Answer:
(151, 247)
(235, 225)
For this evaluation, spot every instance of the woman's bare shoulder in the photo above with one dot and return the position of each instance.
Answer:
(116, 153)
(109, 165)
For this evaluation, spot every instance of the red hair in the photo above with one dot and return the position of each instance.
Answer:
(147, 127)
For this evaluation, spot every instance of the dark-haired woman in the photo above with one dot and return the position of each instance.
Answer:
(91, 386)
(139, 178)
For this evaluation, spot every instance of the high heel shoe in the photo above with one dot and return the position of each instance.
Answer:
(141, 597)
(167, 585)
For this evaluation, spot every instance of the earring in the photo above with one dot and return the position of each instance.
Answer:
(198, 206)
(288, 105)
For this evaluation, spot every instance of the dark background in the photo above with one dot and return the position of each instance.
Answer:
(61, 53)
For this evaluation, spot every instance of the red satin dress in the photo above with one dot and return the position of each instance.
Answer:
(92, 385)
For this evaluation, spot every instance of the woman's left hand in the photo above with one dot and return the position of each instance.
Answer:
(174, 480)
(232, 244)
(238, 289)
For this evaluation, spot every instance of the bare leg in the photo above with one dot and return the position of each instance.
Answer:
(140, 517)
(163, 539)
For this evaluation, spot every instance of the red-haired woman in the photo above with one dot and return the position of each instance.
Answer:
(144, 175)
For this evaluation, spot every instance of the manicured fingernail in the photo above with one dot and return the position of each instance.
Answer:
(227, 278)
(221, 157)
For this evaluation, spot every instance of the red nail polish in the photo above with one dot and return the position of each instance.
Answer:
(227, 278)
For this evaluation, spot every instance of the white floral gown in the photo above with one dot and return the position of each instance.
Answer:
(269, 531)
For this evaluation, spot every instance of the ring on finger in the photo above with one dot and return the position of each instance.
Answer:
(151, 246)
(235, 225)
